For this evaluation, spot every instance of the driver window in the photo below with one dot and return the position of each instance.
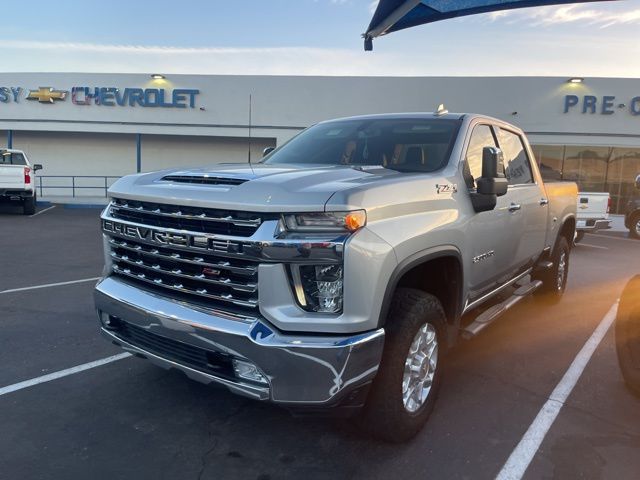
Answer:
(481, 137)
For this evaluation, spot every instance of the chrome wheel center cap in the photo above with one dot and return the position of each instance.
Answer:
(419, 368)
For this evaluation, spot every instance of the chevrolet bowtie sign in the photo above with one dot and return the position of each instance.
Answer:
(105, 96)
(47, 95)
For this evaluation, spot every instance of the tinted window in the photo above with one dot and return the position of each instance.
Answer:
(549, 159)
(8, 158)
(516, 162)
(480, 137)
(400, 144)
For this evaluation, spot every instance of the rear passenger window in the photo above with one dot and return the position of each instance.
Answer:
(516, 162)
(480, 137)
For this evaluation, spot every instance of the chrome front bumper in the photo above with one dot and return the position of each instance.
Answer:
(303, 369)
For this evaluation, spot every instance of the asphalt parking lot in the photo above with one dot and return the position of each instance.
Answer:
(129, 419)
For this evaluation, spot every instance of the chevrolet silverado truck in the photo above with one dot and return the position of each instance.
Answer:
(593, 213)
(337, 271)
(17, 179)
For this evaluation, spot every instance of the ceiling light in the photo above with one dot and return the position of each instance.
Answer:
(157, 76)
(576, 80)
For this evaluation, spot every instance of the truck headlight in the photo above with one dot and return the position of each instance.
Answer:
(318, 288)
(325, 221)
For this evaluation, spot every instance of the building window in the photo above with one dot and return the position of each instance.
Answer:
(594, 169)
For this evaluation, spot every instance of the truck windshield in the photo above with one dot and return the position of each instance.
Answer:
(413, 145)
(9, 158)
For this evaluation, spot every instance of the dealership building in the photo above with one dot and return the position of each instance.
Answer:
(89, 129)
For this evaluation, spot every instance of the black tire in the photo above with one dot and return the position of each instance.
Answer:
(634, 226)
(579, 236)
(627, 329)
(384, 415)
(29, 205)
(553, 286)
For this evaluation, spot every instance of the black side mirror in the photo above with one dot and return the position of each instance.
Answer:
(36, 167)
(492, 184)
(638, 182)
(267, 151)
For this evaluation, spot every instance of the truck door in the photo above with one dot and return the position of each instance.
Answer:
(528, 205)
(492, 237)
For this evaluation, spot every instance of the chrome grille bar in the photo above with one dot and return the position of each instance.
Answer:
(200, 292)
(228, 219)
(225, 282)
(183, 257)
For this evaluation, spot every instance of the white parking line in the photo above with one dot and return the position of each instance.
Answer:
(598, 235)
(23, 289)
(523, 454)
(592, 246)
(42, 211)
(62, 373)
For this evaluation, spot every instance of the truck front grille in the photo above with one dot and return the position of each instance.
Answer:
(194, 219)
(207, 278)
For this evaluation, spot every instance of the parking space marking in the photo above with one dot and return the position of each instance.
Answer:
(521, 457)
(62, 373)
(35, 287)
(598, 235)
(592, 246)
(42, 211)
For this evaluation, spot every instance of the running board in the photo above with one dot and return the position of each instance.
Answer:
(488, 316)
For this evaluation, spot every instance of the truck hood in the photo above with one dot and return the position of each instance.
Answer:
(268, 188)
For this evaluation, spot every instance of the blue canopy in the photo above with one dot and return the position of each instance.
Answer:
(393, 15)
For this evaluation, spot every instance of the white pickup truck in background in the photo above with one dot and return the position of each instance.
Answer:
(17, 179)
(592, 213)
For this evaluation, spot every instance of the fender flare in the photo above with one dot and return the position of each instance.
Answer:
(412, 261)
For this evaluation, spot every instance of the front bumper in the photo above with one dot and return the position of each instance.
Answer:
(299, 370)
(593, 225)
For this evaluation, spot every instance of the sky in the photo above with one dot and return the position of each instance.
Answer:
(314, 37)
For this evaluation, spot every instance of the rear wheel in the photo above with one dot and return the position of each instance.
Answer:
(628, 334)
(634, 226)
(29, 205)
(404, 391)
(554, 280)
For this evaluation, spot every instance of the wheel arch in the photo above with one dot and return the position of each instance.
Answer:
(411, 272)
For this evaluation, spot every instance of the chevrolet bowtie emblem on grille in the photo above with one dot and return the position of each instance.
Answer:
(47, 94)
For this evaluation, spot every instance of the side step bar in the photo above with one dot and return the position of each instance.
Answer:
(488, 316)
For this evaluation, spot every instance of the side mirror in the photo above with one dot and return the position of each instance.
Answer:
(267, 151)
(36, 167)
(492, 184)
(638, 182)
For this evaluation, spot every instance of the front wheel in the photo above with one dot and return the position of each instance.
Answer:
(579, 236)
(404, 391)
(554, 280)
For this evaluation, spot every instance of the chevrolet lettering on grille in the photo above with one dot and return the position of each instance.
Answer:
(164, 238)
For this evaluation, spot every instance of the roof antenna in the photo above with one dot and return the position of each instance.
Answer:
(441, 110)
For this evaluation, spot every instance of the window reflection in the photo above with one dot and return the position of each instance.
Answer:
(594, 169)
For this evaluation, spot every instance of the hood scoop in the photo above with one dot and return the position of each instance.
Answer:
(205, 179)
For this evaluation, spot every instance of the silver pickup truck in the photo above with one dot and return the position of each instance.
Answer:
(338, 270)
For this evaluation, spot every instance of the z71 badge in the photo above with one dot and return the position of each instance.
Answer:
(446, 188)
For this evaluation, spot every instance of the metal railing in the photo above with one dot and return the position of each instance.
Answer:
(76, 182)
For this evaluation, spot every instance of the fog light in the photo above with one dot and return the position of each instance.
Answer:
(248, 371)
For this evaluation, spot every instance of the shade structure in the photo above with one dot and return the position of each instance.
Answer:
(394, 15)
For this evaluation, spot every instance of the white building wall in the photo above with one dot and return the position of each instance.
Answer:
(168, 151)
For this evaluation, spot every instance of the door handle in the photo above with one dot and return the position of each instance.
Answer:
(514, 207)
(544, 201)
